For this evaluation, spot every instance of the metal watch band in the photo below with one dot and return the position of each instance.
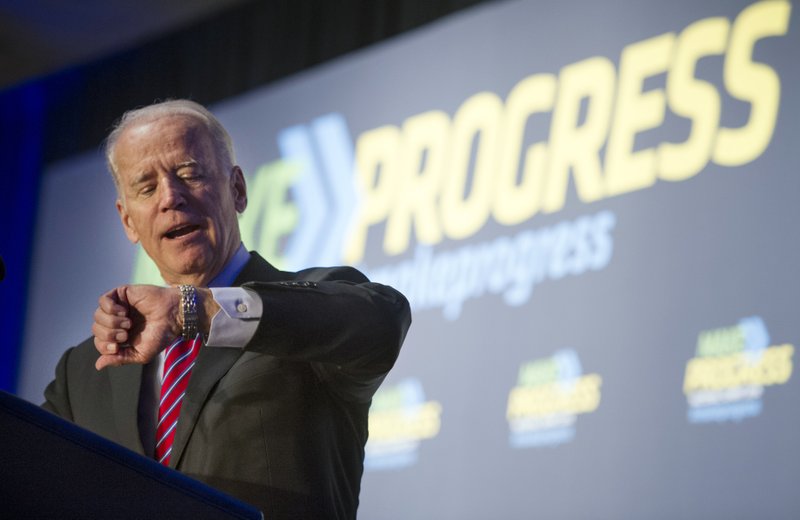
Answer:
(189, 311)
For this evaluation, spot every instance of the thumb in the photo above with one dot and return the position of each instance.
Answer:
(123, 356)
(108, 360)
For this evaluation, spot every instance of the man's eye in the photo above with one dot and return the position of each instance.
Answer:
(146, 190)
(191, 176)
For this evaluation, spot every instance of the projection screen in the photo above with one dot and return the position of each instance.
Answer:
(590, 206)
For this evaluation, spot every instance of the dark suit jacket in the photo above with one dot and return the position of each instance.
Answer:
(282, 423)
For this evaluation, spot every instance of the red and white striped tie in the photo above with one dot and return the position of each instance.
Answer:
(178, 364)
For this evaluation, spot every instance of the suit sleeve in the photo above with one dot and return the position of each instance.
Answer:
(56, 394)
(348, 328)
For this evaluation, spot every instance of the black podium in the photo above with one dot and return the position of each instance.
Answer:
(51, 468)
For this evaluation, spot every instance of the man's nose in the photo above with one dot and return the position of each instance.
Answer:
(172, 193)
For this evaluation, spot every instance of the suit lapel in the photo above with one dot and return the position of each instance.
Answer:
(126, 384)
(213, 363)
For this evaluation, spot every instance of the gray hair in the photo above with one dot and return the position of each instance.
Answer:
(222, 142)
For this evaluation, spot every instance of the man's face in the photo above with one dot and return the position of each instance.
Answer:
(177, 199)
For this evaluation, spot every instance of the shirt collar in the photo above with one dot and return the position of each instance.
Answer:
(232, 269)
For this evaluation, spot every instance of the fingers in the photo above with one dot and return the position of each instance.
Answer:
(109, 330)
(114, 302)
(111, 321)
(133, 323)
(107, 347)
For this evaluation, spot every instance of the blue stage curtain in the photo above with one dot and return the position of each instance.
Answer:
(22, 112)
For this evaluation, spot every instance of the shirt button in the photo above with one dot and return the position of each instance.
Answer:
(241, 307)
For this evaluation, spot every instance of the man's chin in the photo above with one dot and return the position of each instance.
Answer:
(194, 269)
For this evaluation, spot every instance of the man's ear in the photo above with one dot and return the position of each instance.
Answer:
(238, 189)
(130, 230)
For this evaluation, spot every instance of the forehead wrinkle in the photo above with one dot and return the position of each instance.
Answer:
(192, 139)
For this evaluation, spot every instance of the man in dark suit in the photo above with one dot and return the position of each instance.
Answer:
(276, 407)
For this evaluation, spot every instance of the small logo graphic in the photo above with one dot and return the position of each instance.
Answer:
(324, 189)
(550, 394)
(725, 380)
(399, 420)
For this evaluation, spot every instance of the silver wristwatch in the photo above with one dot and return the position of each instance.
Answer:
(191, 322)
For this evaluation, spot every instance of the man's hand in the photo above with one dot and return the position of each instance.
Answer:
(133, 323)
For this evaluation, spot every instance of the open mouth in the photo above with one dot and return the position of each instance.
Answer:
(181, 231)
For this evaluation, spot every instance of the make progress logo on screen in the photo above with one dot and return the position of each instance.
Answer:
(725, 381)
(550, 394)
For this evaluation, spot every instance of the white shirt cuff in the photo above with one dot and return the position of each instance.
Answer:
(237, 320)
